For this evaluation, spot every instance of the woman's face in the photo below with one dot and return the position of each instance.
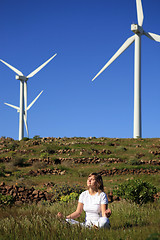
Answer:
(91, 181)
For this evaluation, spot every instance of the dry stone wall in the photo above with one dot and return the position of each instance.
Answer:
(23, 195)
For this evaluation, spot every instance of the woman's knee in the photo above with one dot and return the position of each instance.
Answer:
(104, 222)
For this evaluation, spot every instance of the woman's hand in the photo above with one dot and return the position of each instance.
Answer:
(59, 215)
(108, 213)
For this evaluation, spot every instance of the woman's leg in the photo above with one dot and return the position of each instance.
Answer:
(72, 221)
(103, 222)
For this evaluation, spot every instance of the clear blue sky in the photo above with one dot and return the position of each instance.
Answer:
(84, 34)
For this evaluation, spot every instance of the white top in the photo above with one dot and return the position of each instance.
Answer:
(92, 204)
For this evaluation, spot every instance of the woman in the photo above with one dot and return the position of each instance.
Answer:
(94, 202)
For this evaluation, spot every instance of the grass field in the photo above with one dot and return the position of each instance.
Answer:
(128, 221)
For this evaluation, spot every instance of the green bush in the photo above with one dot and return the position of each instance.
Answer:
(44, 155)
(134, 161)
(137, 191)
(18, 161)
(51, 148)
(36, 137)
(56, 160)
(25, 139)
(6, 200)
(13, 146)
(2, 171)
(59, 190)
(67, 198)
(153, 236)
(38, 165)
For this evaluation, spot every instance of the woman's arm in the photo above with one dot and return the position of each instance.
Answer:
(78, 211)
(75, 214)
(106, 212)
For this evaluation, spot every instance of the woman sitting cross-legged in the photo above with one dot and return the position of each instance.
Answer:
(94, 202)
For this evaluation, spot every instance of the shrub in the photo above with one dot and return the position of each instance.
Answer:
(9, 167)
(36, 137)
(4, 137)
(56, 161)
(38, 165)
(13, 146)
(49, 149)
(44, 155)
(82, 173)
(59, 190)
(6, 200)
(134, 162)
(18, 161)
(67, 198)
(18, 174)
(137, 191)
(2, 171)
(67, 148)
(25, 139)
(153, 236)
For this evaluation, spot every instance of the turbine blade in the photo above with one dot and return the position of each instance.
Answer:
(25, 121)
(30, 105)
(40, 67)
(126, 44)
(153, 36)
(140, 15)
(10, 105)
(13, 68)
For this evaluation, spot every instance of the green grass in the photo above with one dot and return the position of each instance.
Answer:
(128, 221)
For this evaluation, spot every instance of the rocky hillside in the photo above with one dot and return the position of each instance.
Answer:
(28, 167)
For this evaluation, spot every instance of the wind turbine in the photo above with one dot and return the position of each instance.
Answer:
(23, 95)
(138, 32)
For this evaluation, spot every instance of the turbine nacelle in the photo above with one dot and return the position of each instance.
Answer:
(137, 29)
(21, 78)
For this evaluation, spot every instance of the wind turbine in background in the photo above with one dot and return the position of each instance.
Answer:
(23, 96)
(138, 30)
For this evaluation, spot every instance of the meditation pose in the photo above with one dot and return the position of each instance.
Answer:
(95, 204)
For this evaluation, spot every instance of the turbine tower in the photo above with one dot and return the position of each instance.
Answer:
(23, 96)
(138, 32)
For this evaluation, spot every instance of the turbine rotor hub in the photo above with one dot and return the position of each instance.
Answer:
(137, 29)
(21, 78)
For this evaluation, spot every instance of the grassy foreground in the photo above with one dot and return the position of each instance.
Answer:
(128, 221)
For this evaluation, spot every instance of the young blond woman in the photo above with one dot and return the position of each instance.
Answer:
(95, 204)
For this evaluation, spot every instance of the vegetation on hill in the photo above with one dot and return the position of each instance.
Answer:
(53, 171)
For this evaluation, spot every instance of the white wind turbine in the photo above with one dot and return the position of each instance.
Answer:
(138, 30)
(23, 96)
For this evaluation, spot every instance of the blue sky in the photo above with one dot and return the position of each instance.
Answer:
(84, 34)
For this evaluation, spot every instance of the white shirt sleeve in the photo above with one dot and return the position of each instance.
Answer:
(104, 199)
(81, 198)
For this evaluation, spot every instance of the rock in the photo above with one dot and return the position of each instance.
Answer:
(18, 203)
(35, 192)
(2, 184)
(63, 172)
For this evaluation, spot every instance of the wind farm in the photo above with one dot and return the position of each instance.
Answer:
(23, 108)
(138, 32)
